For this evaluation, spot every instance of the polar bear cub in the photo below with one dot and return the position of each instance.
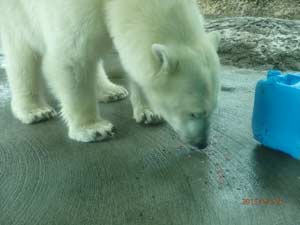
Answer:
(170, 59)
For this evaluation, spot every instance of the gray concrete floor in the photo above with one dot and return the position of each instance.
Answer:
(146, 175)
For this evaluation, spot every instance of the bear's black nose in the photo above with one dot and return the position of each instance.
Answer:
(202, 145)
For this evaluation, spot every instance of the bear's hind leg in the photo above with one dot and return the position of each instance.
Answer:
(106, 90)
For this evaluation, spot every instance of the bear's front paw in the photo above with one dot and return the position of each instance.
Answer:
(99, 131)
(146, 116)
(34, 115)
(112, 93)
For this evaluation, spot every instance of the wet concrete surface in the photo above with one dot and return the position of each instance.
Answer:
(146, 175)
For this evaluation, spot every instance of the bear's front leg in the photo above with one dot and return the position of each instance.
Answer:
(142, 112)
(73, 81)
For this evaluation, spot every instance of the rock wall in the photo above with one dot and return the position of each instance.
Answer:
(265, 42)
(286, 9)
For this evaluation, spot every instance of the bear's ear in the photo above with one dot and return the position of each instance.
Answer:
(215, 38)
(164, 58)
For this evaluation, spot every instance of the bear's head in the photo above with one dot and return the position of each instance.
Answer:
(186, 86)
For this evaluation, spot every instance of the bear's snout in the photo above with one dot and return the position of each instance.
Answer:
(196, 133)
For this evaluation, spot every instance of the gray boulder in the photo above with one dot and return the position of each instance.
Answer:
(285, 9)
(265, 42)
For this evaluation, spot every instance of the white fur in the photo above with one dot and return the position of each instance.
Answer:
(163, 47)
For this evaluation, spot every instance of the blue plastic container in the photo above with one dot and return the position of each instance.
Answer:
(276, 116)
